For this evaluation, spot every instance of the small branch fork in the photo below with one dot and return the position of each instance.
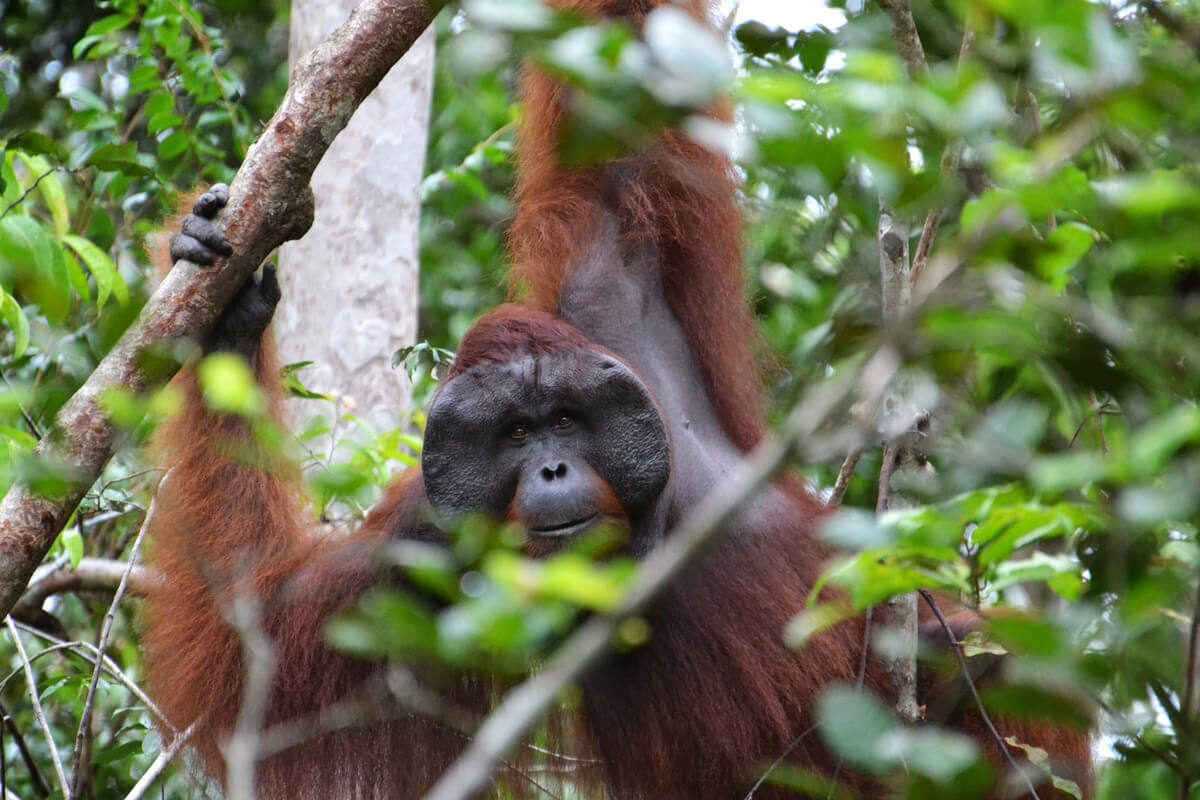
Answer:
(39, 713)
(966, 673)
(898, 279)
(269, 203)
(83, 735)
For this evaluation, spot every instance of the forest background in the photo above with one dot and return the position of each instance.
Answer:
(1039, 156)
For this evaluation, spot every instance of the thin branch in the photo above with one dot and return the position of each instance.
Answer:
(88, 652)
(38, 712)
(791, 748)
(20, 199)
(1189, 680)
(904, 34)
(949, 165)
(92, 575)
(1053, 153)
(242, 749)
(1099, 417)
(82, 736)
(966, 674)
(35, 775)
(891, 455)
(896, 289)
(269, 203)
(1187, 731)
(526, 704)
(160, 763)
(1172, 23)
(860, 678)
(844, 475)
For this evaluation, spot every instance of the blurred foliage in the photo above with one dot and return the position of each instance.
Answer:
(1058, 351)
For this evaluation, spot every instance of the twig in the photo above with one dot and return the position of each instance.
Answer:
(891, 454)
(35, 775)
(949, 163)
(859, 679)
(791, 748)
(896, 285)
(29, 420)
(92, 574)
(38, 712)
(29, 191)
(928, 233)
(82, 736)
(160, 763)
(844, 475)
(966, 674)
(89, 653)
(1099, 417)
(241, 749)
(1186, 732)
(1189, 691)
(269, 203)
(1180, 27)
(904, 34)
(522, 707)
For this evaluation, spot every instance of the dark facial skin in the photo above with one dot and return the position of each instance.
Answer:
(559, 442)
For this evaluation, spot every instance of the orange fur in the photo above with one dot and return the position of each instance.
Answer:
(677, 195)
(223, 528)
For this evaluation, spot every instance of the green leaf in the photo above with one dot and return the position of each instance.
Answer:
(1068, 243)
(119, 158)
(978, 643)
(1040, 567)
(510, 15)
(174, 145)
(25, 441)
(229, 386)
(15, 317)
(119, 752)
(1157, 441)
(108, 278)
(853, 723)
(114, 22)
(51, 189)
(77, 278)
(694, 62)
(37, 264)
(160, 103)
(34, 144)
(73, 544)
(1041, 759)
(761, 40)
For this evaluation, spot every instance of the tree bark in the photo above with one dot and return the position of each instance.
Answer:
(367, 191)
(270, 203)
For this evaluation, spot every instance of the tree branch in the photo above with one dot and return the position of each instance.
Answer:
(904, 34)
(83, 736)
(269, 204)
(38, 712)
(966, 674)
(92, 575)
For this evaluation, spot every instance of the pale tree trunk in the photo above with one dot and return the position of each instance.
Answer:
(350, 285)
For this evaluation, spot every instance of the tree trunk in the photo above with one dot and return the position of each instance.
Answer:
(350, 285)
